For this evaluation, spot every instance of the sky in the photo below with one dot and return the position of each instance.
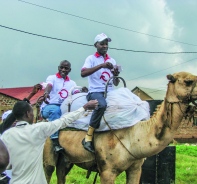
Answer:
(147, 27)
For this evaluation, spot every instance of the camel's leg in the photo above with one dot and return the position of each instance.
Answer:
(48, 169)
(49, 160)
(62, 169)
(107, 177)
(133, 173)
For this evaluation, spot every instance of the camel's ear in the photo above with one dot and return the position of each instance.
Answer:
(171, 78)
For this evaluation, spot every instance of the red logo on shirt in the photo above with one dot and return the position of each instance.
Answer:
(105, 76)
(63, 93)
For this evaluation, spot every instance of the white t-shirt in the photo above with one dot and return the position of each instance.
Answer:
(60, 89)
(98, 79)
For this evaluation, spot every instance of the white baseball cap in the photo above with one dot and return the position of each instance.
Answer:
(5, 114)
(101, 37)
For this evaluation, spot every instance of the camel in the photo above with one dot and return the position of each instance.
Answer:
(125, 149)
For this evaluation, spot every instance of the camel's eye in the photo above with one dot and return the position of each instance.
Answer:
(188, 82)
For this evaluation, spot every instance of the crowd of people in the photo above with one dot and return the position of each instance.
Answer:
(22, 145)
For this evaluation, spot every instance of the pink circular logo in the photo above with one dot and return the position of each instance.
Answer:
(63, 93)
(105, 76)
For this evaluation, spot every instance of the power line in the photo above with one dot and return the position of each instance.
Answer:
(59, 39)
(158, 37)
(153, 52)
(161, 70)
(45, 36)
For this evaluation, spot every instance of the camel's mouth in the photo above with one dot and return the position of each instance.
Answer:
(194, 101)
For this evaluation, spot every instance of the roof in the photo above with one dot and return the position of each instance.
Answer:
(20, 93)
(155, 94)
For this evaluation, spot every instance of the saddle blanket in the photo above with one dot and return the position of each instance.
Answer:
(124, 109)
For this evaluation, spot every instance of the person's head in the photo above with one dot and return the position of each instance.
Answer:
(101, 43)
(84, 89)
(23, 111)
(64, 68)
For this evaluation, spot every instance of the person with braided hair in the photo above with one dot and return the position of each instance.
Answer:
(25, 142)
(9, 120)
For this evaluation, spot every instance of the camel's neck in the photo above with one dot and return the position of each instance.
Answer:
(171, 114)
(160, 129)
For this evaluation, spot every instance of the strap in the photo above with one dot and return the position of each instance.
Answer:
(118, 138)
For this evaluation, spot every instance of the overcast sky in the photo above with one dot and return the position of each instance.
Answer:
(153, 26)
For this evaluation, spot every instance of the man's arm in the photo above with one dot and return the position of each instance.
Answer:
(116, 81)
(46, 93)
(88, 71)
(4, 157)
(35, 89)
(73, 116)
(66, 119)
(115, 73)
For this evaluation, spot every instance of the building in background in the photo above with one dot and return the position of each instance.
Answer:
(9, 96)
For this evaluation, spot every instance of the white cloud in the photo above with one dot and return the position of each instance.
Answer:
(32, 58)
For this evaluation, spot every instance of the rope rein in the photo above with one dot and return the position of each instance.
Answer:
(118, 138)
(179, 102)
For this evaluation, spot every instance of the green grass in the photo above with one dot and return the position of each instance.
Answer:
(186, 164)
(186, 169)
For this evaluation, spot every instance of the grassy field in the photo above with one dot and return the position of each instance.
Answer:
(186, 169)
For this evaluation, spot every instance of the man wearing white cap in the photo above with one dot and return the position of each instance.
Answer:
(99, 68)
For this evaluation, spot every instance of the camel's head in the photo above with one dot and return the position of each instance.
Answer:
(183, 86)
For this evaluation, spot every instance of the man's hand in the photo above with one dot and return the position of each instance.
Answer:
(108, 65)
(46, 93)
(91, 105)
(36, 88)
(40, 100)
(115, 72)
(45, 97)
